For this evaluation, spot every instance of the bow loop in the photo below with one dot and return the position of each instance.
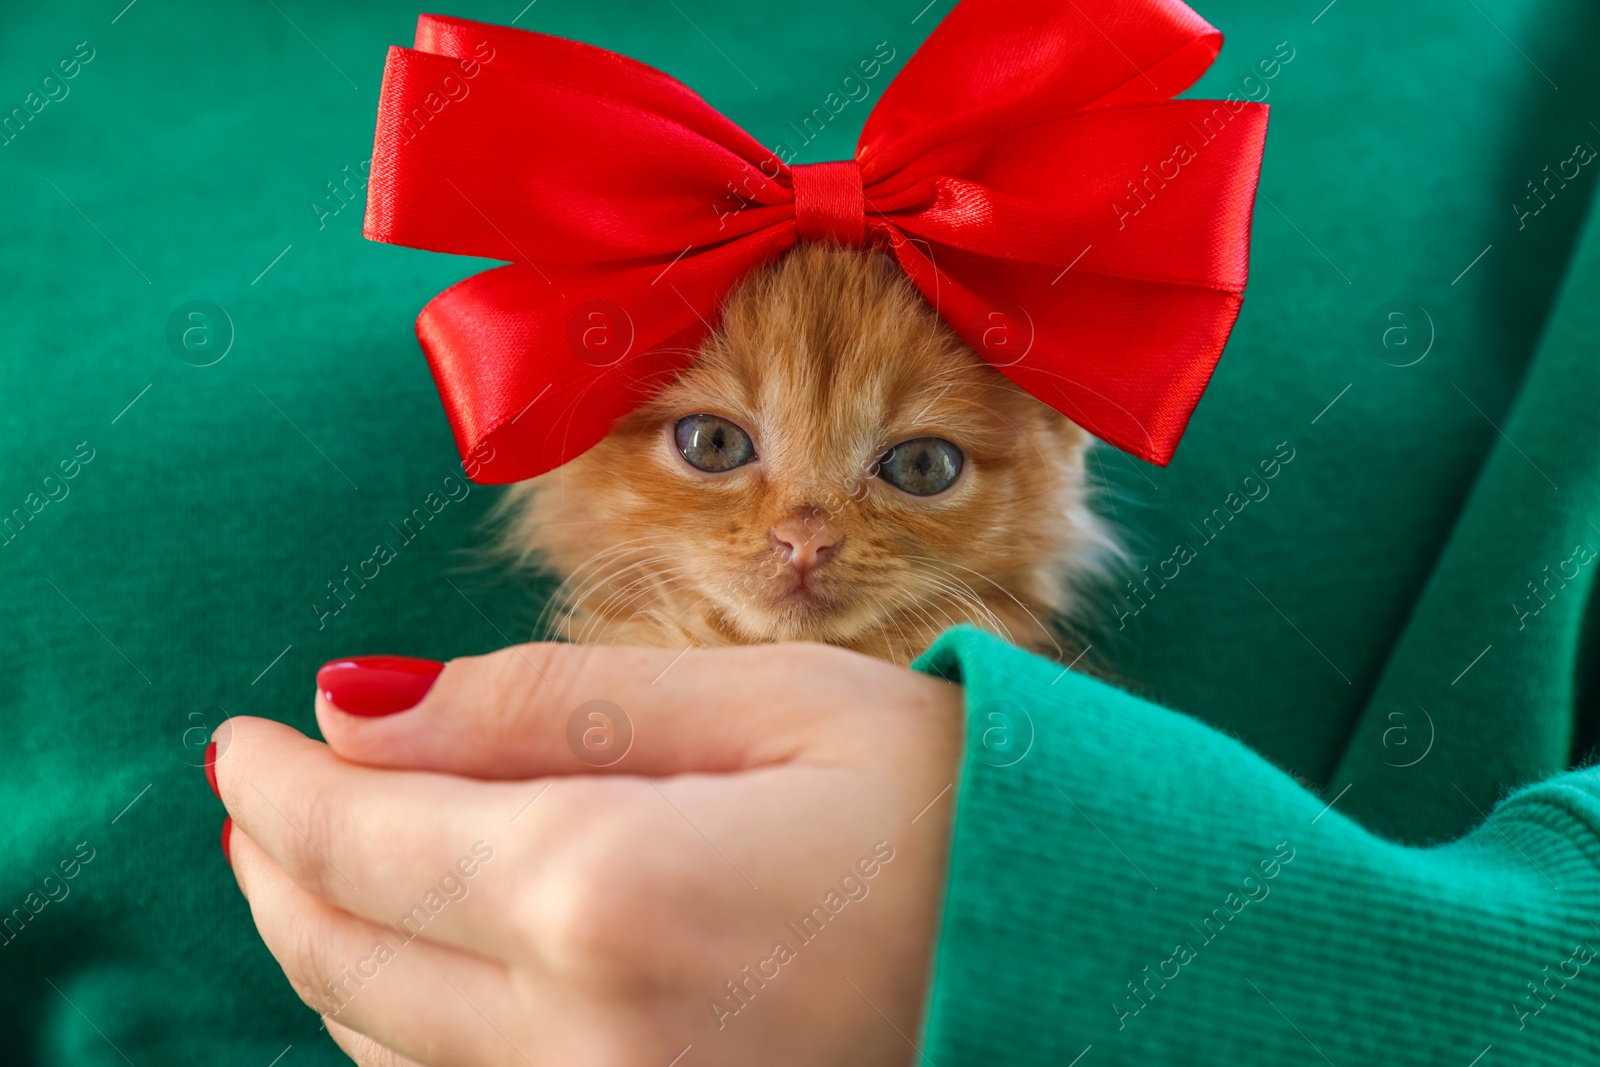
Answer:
(1082, 232)
(1013, 62)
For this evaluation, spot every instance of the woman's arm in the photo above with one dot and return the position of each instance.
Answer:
(1138, 888)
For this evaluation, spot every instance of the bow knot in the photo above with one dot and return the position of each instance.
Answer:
(828, 203)
(1009, 168)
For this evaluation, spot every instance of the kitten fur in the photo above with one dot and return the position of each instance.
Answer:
(826, 359)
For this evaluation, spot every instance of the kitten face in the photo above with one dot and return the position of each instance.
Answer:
(836, 466)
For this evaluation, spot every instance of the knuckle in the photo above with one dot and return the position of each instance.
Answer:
(814, 676)
(807, 661)
(363, 1050)
(288, 808)
(503, 686)
(375, 1055)
(309, 839)
(302, 953)
(595, 903)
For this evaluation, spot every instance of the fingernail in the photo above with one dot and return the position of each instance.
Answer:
(211, 769)
(227, 834)
(371, 686)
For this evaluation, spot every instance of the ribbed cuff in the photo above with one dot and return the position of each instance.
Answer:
(1130, 886)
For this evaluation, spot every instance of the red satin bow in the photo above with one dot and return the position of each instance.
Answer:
(1081, 231)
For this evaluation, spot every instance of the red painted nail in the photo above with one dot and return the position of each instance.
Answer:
(370, 686)
(227, 834)
(211, 769)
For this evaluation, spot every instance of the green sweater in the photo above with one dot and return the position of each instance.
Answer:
(1326, 813)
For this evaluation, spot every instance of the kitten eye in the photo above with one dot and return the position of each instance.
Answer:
(713, 444)
(922, 466)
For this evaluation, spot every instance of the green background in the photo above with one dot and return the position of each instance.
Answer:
(175, 583)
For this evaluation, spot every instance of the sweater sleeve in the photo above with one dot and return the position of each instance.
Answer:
(1128, 886)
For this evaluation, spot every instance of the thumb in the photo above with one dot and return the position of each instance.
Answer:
(549, 709)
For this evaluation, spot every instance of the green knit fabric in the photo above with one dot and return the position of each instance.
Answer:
(1360, 618)
(1139, 883)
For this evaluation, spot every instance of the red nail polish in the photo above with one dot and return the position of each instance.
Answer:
(370, 686)
(211, 769)
(227, 834)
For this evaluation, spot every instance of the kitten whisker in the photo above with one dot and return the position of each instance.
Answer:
(888, 640)
(1012, 596)
(923, 635)
(629, 593)
(614, 581)
(970, 610)
(619, 609)
(923, 415)
(653, 612)
(608, 522)
(571, 599)
(563, 596)
(933, 627)
(977, 611)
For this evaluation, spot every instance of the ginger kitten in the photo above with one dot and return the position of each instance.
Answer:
(836, 466)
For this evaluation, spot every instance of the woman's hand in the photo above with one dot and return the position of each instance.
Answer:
(756, 879)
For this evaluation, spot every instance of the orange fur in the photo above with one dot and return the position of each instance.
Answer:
(827, 359)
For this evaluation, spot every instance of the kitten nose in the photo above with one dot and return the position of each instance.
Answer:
(805, 541)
